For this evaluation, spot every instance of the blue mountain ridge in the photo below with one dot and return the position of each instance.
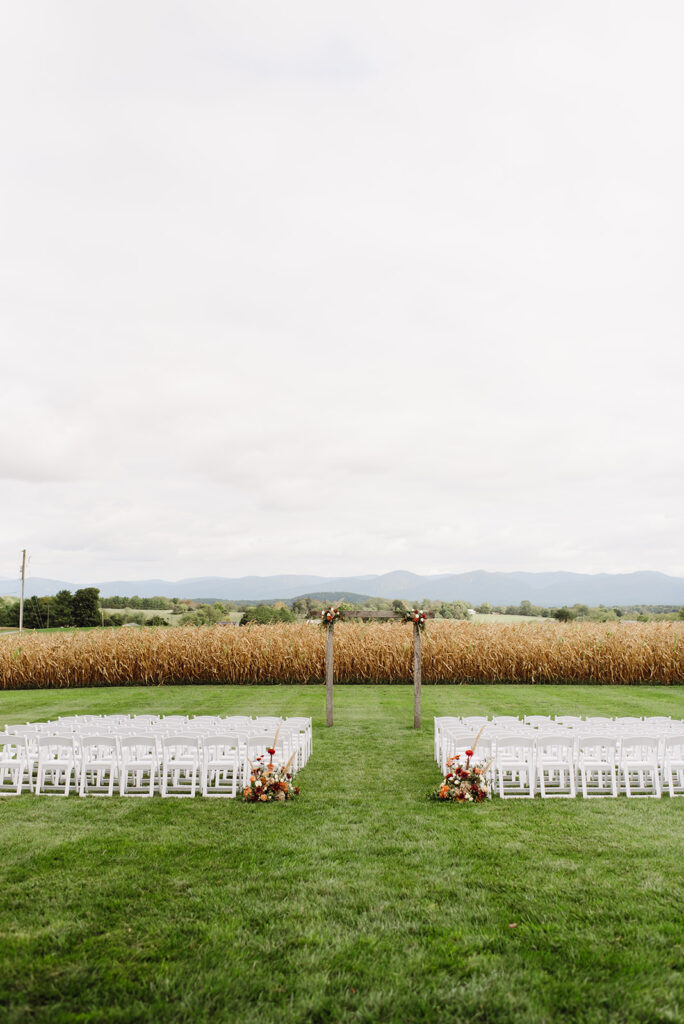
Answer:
(499, 588)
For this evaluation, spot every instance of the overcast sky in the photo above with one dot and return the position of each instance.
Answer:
(341, 287)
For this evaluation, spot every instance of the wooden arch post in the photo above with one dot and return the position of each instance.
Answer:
(417, 618)
(329, 673)
(417, 678)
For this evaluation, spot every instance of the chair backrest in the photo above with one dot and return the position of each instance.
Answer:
(144, 721)
(555, 747)
(673, 748)
(639, 748)
(597, 747)
(180, 746)
(12, 748)
(515, 747)
(95, 747)
(302, 724)
(138, 747)
(538, 721)
(52, 748)
(222, 745)
(506, 720)
(267, 722)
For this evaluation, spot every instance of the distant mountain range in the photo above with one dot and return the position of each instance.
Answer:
(547, 589)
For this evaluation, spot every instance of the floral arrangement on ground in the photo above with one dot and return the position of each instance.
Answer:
(268, 783)
(465, 782)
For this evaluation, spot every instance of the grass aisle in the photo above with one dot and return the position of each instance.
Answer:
(361, 902)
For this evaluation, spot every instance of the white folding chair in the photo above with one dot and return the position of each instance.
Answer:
(180, 765)
(13, 765)
(221, 765)
(456, 742)
(441, 724)
(141, 723)
(139, 759)
(639, 767)
(99, 765)
(56, 764)
(597, 763)
(267, 722)
(29, 734)
(556, 766)
(474, 722)
(303, 727)
(673, 764)
(569, 721)
(515, 767)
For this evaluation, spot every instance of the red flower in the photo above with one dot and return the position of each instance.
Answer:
(469, 753)
(270, 750)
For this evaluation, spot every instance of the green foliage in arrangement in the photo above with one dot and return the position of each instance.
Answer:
(362, 901)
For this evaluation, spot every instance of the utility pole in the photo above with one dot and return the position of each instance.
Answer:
(21, 600)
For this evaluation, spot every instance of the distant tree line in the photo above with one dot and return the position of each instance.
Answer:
(86, 608)
(63, 609)
(165, 604)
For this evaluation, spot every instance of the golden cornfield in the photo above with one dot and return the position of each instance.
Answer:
(452, 652)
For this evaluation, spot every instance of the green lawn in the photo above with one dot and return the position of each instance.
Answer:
(363, 901)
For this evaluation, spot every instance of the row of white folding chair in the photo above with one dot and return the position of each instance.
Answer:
(295, 734)
(292, 740)
(133, 763)
(639, 766)
(505, 723)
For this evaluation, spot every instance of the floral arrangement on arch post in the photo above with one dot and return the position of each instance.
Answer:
(465, 782)
(330, 615)
(416, 616)
(268, 783)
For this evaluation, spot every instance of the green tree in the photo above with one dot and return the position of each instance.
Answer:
(62, 609)
(485, 608)
(86, 607)
(564, 614)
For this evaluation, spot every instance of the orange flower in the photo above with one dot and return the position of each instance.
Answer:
(252, 778)
(263, 797)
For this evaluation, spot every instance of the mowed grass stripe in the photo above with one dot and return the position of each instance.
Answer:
(362, 901)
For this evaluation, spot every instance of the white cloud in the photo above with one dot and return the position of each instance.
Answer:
(332, 288)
